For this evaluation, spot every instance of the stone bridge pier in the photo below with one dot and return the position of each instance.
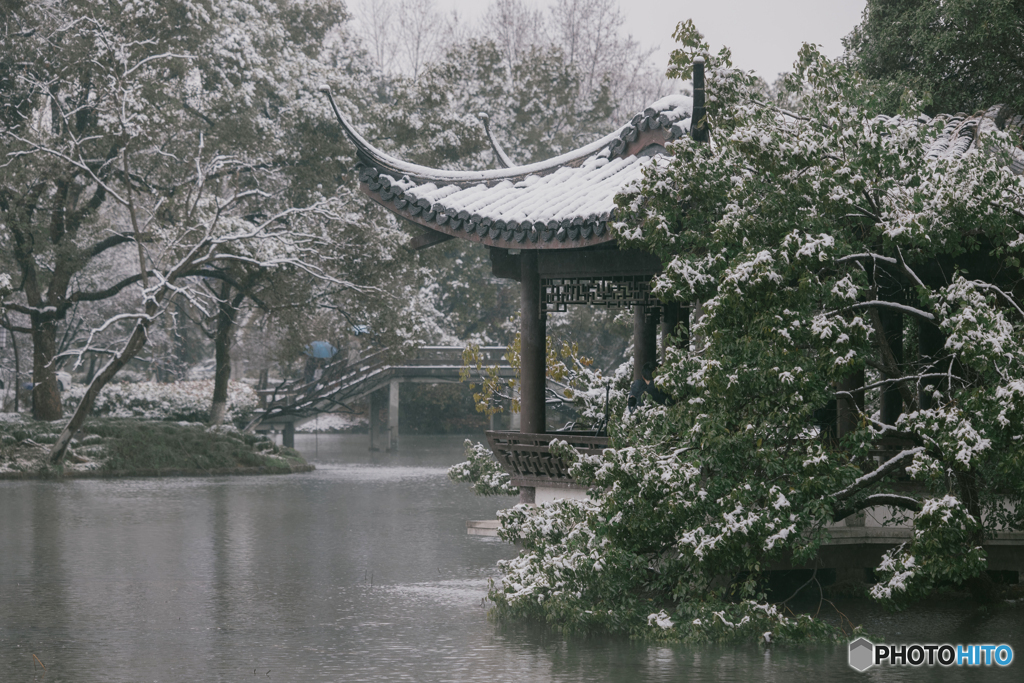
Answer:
(384, 417)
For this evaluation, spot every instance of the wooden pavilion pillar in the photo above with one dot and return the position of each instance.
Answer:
(645, 339)
(532, 351)
(892, 400)
(672, 315)
(931, 341)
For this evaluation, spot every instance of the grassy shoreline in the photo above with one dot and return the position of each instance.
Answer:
(125, 447)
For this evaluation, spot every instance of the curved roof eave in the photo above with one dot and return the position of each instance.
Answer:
(386, 163)
(561, 203)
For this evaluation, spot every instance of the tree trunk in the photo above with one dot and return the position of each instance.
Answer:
(222, 374)
(222, 346)
(848, 411)
(45, 390)
(17, 372)
(92, 368)
(134, 345)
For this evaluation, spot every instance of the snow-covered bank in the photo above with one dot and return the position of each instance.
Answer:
(108, 447)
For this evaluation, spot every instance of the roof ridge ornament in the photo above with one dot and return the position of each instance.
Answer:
(503, 159)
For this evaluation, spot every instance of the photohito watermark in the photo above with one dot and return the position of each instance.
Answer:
(864, 654)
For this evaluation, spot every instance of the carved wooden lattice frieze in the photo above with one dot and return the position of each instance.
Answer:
(616, 292)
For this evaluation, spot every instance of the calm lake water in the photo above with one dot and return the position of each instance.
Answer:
(359, 571)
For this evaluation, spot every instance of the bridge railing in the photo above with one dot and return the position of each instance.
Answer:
(342, 379)
(452, 355)
(290, 396)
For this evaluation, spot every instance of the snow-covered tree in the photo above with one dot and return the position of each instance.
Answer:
(190, 145)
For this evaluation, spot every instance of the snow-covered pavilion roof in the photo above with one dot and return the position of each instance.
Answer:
(961, 131)
(564, 202)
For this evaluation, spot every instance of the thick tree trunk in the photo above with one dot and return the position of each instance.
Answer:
(848, 411)
(45, 390)
(222, 374)
(931, 342)
(92, 369)
(892, 403)
(222, 338)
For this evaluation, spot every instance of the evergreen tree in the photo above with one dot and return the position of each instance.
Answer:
(960, 55)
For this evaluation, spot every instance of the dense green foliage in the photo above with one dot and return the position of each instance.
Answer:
(961, 55)
(482, 471)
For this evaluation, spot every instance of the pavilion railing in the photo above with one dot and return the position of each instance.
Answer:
(529, 461)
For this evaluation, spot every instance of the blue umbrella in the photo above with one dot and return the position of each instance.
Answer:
(320, 349)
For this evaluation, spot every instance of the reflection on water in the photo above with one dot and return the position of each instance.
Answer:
(359, 571)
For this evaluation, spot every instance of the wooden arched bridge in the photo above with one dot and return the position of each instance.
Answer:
(343, 380)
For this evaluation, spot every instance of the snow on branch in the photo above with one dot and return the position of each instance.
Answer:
(878, 474)
(888, 499)
(891, 305)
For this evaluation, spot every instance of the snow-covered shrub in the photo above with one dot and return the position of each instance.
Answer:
(177, 401)
(482, 471)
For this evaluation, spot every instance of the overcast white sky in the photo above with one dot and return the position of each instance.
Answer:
(764, 34)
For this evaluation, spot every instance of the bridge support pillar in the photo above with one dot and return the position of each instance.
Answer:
(288, 435)
(374, 400)
(393, 415)
(532, 350)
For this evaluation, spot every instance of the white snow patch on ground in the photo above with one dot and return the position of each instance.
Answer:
(332, 422)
